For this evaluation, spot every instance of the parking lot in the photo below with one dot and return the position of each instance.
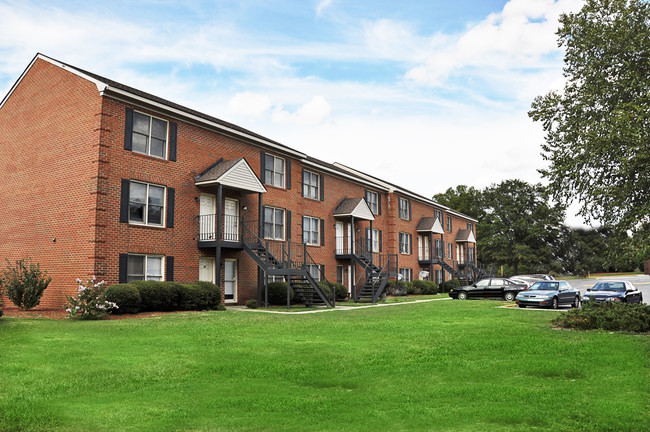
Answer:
(642, 282)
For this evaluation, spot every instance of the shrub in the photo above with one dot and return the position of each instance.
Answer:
(341, 291)
(251, 304)
(448, 285)
(199, 296)
(126, 296)
(425, 287)
(396, 288)
(89, 302)
(158, 295)
(610, 316)
(278, 293)
(24, 284)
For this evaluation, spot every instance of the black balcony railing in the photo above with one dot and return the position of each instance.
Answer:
(231, 228)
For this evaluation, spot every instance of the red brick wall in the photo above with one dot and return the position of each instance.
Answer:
(49, 135)
(63, 150)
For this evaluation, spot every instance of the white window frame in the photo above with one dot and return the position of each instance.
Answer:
(404, 243)
(450, 251)
(148, 145)
(307, 233)
(145, 220)
(146, 276)
(404, 209)
(449, 224)
(438, 214)
(373, 204)
(272, 171)
(309, 190)
(314, 271)
(406, 274)
(274, 223)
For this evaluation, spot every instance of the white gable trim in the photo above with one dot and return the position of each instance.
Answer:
(437, 227)
(239, 176)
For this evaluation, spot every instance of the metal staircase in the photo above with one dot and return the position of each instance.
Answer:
(376, 277)
(288, 260)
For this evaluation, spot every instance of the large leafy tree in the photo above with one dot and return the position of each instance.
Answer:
(465, 199)
(520, 228)
(598, 127)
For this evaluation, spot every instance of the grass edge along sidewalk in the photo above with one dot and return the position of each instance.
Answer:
(432, 366)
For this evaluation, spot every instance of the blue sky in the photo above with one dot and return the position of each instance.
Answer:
(428, 94)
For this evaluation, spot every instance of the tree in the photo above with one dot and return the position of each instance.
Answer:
(520, 228)
(465, 199)
(598, 128)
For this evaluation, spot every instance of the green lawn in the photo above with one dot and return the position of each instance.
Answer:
(444, 365)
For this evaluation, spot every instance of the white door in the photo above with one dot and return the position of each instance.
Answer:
(207, 217)
(350, 248)
(230, 280)
(231, 220)
(206, 269)
(339, 238)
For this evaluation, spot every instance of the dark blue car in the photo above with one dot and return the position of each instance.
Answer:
(616, 291)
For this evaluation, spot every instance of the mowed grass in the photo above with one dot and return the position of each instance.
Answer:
(443, 365)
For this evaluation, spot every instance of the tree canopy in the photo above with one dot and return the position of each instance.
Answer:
(598, 128)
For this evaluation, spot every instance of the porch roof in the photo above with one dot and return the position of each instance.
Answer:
(430, 224)
(465, 236)
(235, 174)
(357, 207)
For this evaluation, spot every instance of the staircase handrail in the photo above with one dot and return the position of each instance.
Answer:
(309, 260)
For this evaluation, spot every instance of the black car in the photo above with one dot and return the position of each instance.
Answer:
(617, 291)
(489, 288)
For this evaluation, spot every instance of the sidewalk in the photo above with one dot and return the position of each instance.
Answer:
(337, 308)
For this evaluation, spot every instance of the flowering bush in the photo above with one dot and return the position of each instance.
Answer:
(88, 303)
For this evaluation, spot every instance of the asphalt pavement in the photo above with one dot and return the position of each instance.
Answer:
(642, 282)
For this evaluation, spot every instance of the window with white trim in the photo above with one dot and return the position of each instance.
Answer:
(438, 214)
(274, 169)
(273, 223)
(314, 271)
(406, 273)
(404, 243)
(372, 199)
(373, 244)
(439, 277)
(311, 185)
(311, 230)
(146, 203)
(404, 208)
(470, 227)
(149, 135)
(144, 267)
(450, 251)
(448, 223)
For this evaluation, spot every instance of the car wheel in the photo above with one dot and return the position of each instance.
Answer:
(576, 302)
(522, 306)
(554, 304)
(509, 296)
(462, 295)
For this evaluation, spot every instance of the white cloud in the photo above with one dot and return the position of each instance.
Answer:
(313, 112)
(322, 5)
(248, 104)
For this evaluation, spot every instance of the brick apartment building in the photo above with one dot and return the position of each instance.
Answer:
(102, 179)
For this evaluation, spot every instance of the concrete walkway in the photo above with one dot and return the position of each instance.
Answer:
(338, 308)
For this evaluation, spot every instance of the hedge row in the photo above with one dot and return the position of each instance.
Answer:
(416, 287)
(278, 292)
(610, 316)
(155, 296)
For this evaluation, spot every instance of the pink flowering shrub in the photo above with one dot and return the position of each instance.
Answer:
(88, 303)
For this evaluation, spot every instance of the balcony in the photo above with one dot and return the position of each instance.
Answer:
(229, 234)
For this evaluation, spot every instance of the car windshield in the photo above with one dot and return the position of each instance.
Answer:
(609, 286)
(545, 286)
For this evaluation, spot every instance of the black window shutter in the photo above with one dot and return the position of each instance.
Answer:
(322, 271)
(169, 269)
(380, 241)
(173, 132)
(411, 243)
(128, 130)
(302, 193)
(263, 166)
(378, 203)
(124, 201)
(288, 228)
(410, 214)
(302, 234)
(171, 199)
(288, 174)
(322, 187)
(322, 232)
(124, 262)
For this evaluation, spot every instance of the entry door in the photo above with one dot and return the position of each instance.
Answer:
(206, 269)
(207, 217)
(231, 220)
(230, 280)
(350, 248)
(339, 238)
